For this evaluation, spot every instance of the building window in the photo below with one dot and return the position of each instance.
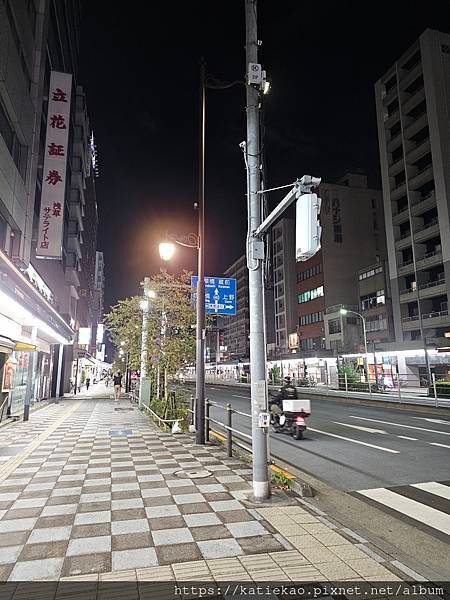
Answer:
(370, 273)
(334, 326)
(337, 222)
(310, 294)
(316, 343)
(373, 300)
(18, 151)
(311, 318)
(311, 272)
(378, 323)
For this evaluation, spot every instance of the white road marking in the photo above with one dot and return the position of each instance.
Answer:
(245, 397)
(405, 437)
(434, 488)
(441, 421)
(440, 445)
(368, 429)
(341, 437)
(399, 425)
(416, 510)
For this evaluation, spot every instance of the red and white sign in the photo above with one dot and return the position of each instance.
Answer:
(51, 218)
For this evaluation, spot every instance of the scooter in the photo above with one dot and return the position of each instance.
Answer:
(292, 419)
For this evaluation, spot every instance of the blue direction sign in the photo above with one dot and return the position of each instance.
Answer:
(220, 295)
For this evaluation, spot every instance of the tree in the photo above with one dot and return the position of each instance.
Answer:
(171, 327)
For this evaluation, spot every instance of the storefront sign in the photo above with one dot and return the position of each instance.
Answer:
(9, 370)
(51, 218)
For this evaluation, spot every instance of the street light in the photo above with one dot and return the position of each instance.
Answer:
(166, 250)
(345, 311)
(194, 241)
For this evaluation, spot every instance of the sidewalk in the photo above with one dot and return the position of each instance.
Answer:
(96, 492)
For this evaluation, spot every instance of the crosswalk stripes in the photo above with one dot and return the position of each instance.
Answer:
(425, 505)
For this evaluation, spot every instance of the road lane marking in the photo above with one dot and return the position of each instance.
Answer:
(440, 445)
(399, 425)
(245, 397)
(341, 437)
(441, 421)
(434, 488)
(405, 437)
(368, 429)
(416, 510)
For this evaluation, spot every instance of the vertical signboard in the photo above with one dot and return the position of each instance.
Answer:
(308, 230)
(51, 218)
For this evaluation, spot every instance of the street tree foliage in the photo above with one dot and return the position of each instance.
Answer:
(171, 325)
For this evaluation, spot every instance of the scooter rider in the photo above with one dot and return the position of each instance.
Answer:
(287, 392)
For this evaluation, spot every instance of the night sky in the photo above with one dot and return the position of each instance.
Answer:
(140, 70)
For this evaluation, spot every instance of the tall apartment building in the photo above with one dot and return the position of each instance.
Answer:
(284, 282)
(236, 328)
(413, 99)
(315, 290)
(40, 308)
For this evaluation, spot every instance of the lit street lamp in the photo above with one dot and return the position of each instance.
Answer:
(345, 311)
(166, 251)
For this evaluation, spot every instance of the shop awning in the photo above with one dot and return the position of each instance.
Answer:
(25, 347)
(6, 345)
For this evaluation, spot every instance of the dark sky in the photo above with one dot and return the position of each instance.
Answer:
(140, 70)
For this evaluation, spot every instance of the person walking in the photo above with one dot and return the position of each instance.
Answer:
(117, 385)
(88, 382)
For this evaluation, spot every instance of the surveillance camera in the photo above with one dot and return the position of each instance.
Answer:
(242, 145)
(195, 205)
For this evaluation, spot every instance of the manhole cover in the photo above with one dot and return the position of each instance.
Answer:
(193, 474)
(116, 432)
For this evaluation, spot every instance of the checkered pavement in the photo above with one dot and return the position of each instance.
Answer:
(101, 494)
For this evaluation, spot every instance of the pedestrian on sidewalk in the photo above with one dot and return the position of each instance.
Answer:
(88, 382)
(117, 385)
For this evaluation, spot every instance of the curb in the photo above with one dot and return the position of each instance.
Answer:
(300, 488)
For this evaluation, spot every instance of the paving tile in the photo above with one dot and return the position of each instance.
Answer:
(91, 530)
(226, 548)
(169, 510)
(8, 526)
(160, 501)
(234, 516)
(33, 570)
(10, 554)
(260, 544)
(155, 492)
(132, 540)
(102, 497)
(196, 570)
(201, 519)
(134, 559)
(196, 507)
(166, 523)
(188, 498)
(246, 529)
(89, 545)
(42, 551)
(367, 567)
(129, 526)
(49, 534)
(337, 570)
(210, 532)
(331, 539)
(128, 514)
(222, 505)
(94, 507)
(90, 563)
(168, 555)
(21, 513)
(103, 516)
(348, 552)
(57, 521)
(29, 503)
(166, 537)
(127, 503)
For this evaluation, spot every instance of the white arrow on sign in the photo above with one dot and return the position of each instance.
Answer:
(368, 429)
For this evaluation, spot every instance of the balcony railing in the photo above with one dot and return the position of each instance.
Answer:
(409, 319)
(425, 286)
(432, 315)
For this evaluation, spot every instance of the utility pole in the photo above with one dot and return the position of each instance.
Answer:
(261, 488)
(145, 390)
(200, 333)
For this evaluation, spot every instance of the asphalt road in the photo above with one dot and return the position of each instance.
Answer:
(355, 447)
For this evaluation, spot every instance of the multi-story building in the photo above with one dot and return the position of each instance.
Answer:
(44, 155)
(236, 328)
(412, 100)
(351, 218)
(375, 303)
(284, 282)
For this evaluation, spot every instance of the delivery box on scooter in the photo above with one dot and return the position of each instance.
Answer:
(296, 406)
